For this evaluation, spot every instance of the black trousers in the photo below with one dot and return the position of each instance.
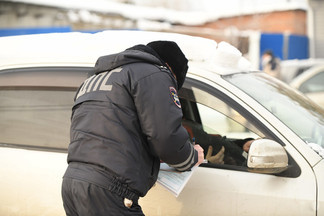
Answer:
(81, 198)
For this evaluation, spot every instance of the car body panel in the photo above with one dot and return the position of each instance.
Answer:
(223, 195)
(31, 182)
(320, 191)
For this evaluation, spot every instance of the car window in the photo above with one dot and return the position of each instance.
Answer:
(212, 121)
(36, 117)
(284, 102)
(229, 122)
(314, 84)
(216, 115)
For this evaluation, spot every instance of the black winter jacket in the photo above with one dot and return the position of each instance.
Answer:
(127, 117)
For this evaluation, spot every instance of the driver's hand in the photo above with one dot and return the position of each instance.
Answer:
(246, 146)
(217, 158)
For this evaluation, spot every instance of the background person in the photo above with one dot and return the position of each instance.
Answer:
(270, 64)
(126, 118)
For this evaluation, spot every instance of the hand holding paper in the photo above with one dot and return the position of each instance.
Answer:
(173, 180)
(200, 154)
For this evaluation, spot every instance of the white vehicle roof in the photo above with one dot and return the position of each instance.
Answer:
(307, 74)
(76, 49)
(291, 68)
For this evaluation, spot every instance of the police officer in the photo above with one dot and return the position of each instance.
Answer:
(125, 120)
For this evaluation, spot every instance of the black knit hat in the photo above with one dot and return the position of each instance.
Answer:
(171, 54)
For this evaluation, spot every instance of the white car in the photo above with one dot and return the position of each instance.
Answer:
(289, 69)
(311, 83)
(39, 75)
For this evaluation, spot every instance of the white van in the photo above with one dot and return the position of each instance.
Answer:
(39, 75)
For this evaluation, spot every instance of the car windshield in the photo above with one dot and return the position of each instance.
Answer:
(292, 108)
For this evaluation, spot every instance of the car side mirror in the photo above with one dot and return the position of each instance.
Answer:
(267, 156)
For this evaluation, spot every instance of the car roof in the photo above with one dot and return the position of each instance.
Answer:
(307, 74)
(83, 49)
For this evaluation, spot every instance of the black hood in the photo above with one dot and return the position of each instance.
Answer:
(138, 53)
(171, 54)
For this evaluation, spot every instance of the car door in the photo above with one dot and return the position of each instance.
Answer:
(35, 111)
(231, 189)
(34, 125)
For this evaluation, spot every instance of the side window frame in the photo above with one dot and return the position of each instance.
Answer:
(30, 113)
(47, 78)
(218, 94)
(293, 169)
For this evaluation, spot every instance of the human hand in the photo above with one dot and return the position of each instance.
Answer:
(246, 146)
(200, 154)
(217, 158)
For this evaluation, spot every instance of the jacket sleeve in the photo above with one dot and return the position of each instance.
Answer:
(160, 115)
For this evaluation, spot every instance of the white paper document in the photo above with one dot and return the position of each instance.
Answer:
(173, 180)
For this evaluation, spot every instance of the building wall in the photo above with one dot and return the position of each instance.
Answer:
(317, 28)
(293, 22)
(14, 15)
(20, 15)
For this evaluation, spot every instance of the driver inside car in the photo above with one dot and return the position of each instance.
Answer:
(218, 149)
